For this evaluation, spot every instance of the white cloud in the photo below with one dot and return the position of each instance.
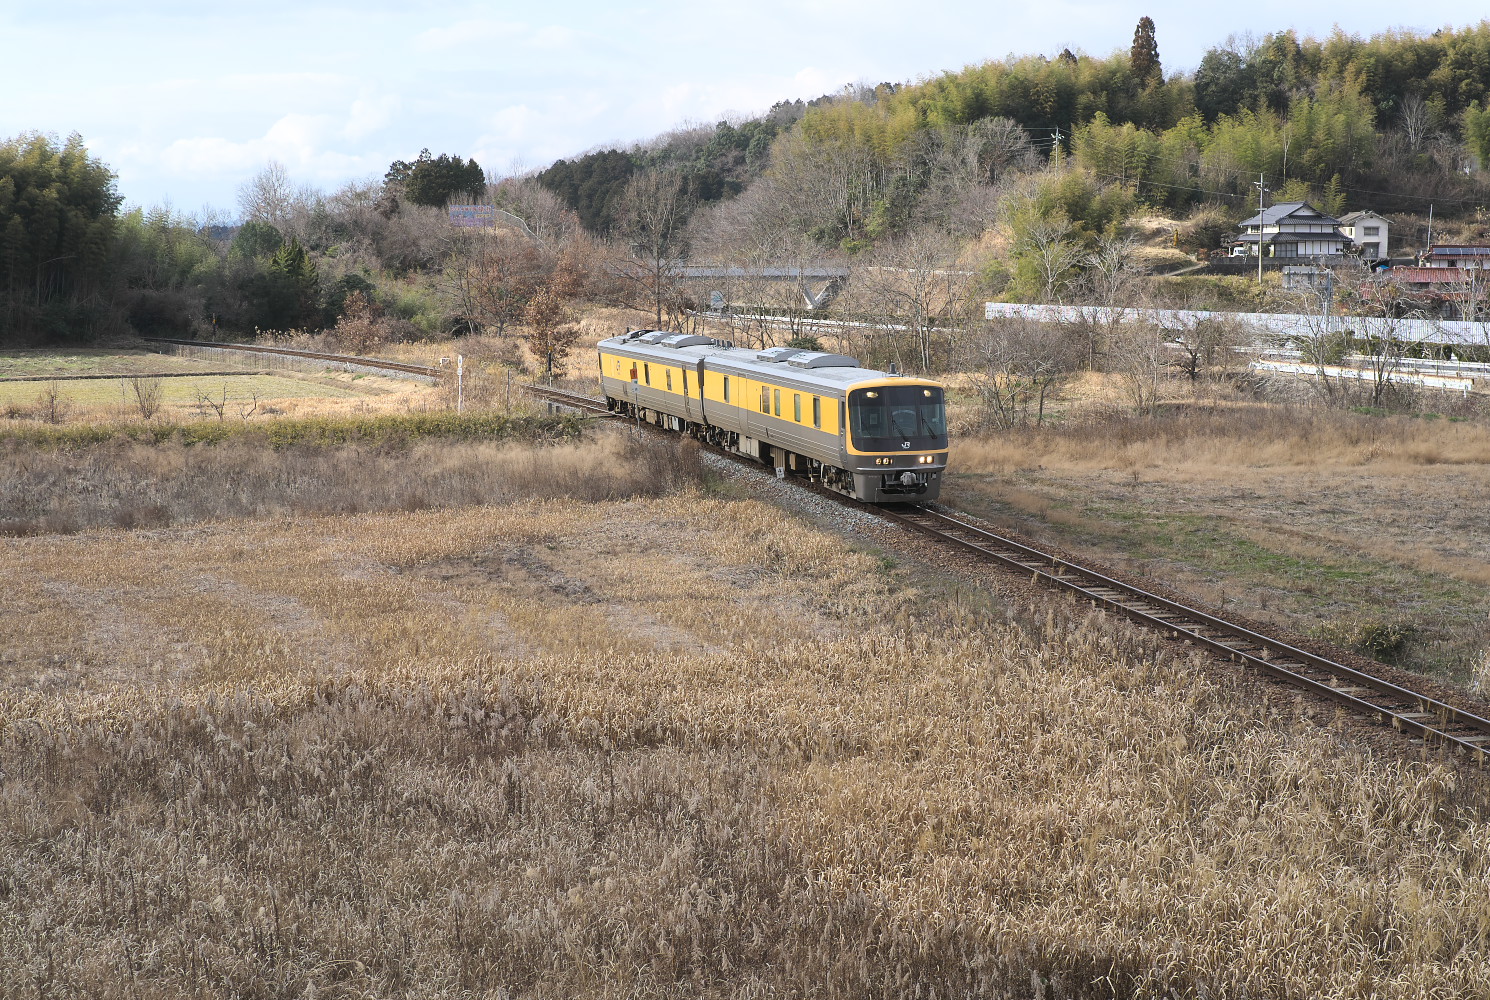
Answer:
(369, 114)
(465, 33)
(554, 37)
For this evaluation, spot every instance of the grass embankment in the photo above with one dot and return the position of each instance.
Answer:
(68, 478)
(235, 390)
(539, 749)
(1361, 529)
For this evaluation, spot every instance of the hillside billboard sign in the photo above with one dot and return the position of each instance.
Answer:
(473, 216)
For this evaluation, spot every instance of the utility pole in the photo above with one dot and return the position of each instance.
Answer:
(1262, 190)
(1430, 227)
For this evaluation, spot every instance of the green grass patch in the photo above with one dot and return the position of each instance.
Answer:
(238, 388)
(82, 361)
(383, 429)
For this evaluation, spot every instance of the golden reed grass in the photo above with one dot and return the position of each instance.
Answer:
(678, 747)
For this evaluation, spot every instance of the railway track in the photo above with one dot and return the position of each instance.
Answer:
(1420, 715)
(1411, 712)
(578, 400)
(343, 359)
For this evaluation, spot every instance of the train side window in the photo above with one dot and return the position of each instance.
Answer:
(726, 388)
(669, 380)
(797, 407)
(817, 412)
(777, 393)
(646, 373)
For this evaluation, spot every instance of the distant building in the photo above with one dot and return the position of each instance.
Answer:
(1368, 231)
(1292, 229)
(1457, 255)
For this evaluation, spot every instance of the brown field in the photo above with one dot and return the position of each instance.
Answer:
(672, 745)
(249, 396)
(1331, 522)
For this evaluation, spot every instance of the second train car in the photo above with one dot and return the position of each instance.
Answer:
(877, 436)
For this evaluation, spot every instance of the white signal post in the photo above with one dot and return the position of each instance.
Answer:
(460, 382)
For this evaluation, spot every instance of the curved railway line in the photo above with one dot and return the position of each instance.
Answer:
(1408, 711)
(342, 359)
(1422, 716)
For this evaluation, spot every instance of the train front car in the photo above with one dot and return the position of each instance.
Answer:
(896, 445)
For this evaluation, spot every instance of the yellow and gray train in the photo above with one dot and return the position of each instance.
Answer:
(876, 436)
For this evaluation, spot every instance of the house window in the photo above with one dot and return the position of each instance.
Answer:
(1372, 230)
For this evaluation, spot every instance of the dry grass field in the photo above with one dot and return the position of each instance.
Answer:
(1345, 525)
(676, 745)
(248, 396)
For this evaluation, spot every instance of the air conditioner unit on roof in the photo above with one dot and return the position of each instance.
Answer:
(821, 359)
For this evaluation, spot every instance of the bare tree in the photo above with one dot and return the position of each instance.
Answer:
(147, 395)
(1348, 311)
(914, 284)
(1016, 365)
(492, 277)
(654, 212)
(1142, 360)
(218, 406)
(1416, 119)
(52, 404)
(1211, 346)
(1053, 255)
(269, 196)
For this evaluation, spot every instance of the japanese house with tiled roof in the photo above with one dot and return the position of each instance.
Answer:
(1368, 231)
(1292, 229)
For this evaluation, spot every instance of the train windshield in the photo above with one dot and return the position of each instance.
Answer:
(898, 418)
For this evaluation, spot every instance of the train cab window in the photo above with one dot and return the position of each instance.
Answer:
(777, 394)
(765, 400)
(646, 373)
(669, 380)
(817, 412)
(797, 407)
(726, 388)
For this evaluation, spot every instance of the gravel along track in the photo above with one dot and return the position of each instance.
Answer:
(1433, 721)
(1428, 719)
(348, 361)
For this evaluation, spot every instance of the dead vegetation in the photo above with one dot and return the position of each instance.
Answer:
(539, 751)
(132, 484)
(1349, 526)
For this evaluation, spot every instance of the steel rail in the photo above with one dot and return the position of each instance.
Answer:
(568, 398)
(1405, 710)
(344, 359)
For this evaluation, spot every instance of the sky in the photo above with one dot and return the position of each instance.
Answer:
(185, 101)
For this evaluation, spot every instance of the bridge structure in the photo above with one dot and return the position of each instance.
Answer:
(818, 284)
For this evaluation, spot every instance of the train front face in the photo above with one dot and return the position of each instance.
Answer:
(897, 440)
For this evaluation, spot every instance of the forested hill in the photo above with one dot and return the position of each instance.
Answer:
(1039, 174)
(1397, 119)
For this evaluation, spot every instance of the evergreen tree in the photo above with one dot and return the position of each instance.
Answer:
(57, 217)
(435, 180)
(1144, 56)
